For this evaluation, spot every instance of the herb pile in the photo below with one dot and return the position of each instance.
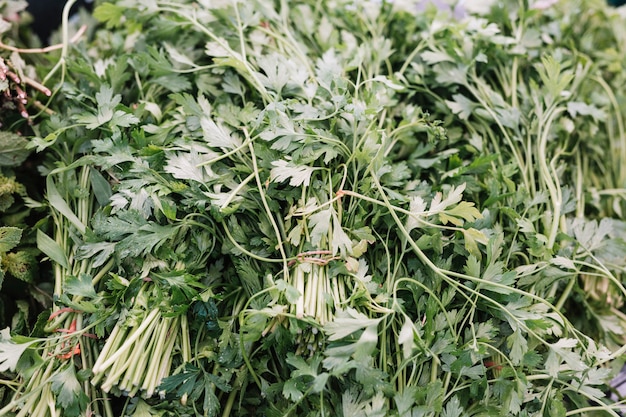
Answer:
(329, 208)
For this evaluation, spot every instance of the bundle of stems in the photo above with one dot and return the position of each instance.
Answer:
(70, 347)
(319, 294)
(140, 349)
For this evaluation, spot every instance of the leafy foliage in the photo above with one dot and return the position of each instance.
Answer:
(352, 208)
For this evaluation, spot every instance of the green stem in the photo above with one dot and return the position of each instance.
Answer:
(268, 211)
(138, 332)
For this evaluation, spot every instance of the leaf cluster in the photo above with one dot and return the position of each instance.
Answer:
(358, 208)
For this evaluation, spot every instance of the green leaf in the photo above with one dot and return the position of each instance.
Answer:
(320, 222)
(106, 103)
(184, 383)
(298, 175)
(494, 273)
(562, 352)
(59, 204)
(51, 249)
(464, 210)
(70, 395)
(110, 14)
(146, 239)
(9, 238)
(461, 106)
(341, 242)
(453, 408)
(347, 322)
(291, 391)
(22, 265)
(405, 338)
(123, 119)
(518, 346)
(217, 135)
(176, 56)
(306, 371)
(188, 166)
(556, 407)
(13, 149)
(97, 252)
(143, 409)
(81, 286)
(291, 293)
(302, 367)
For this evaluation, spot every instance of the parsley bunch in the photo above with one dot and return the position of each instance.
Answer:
(338, 207)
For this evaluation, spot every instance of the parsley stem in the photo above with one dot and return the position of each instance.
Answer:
(138, 332)
(246, 251)
(279, 238)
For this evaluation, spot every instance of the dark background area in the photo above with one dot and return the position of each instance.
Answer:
(47, 15)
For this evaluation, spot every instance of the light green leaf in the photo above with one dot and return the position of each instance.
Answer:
(176, 56)
(109, 13)
(404, 401)
(453, 408)
(97, 252)
(386, 81)
(217, 135)
(464, 210)
(320, 223)
(454, 196)
(518, 346)
(563, 352)
(341, 242)
(417, 206)
(51, 249)
(123, 119)
(291, 293)
(11, 352)
(405, 338)
(434, 57)
(4, 27)
(575, 108)
(187, 166)
(472, 267)
(59, 204)
(347, 322)
(462, 106)
(352, 405)
(319, 382)
(296, 174)
(485, 331)
(563, 262)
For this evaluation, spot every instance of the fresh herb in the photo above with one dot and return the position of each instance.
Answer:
(346, 208)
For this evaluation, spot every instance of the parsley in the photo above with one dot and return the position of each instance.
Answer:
(320, 208)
